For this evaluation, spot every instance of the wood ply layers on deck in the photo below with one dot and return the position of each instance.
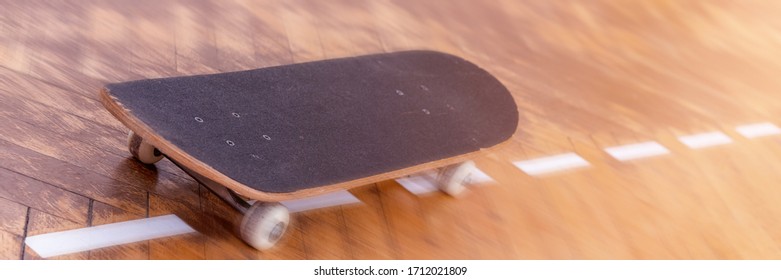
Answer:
(586, 76)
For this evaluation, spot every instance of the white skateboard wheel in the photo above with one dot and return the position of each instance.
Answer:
(142, 150)
(453, 179)
(264, 224)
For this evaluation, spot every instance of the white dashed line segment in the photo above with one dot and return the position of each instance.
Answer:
(758, 130)
(321, 201)
(420, 183)
(704, 140)
(550, 164)
(91, 238)
(637, 151)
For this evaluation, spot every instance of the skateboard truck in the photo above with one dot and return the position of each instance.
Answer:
(264, 223)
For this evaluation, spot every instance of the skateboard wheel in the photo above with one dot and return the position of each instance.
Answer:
(453, 179)
(142, 150)
(264, 224)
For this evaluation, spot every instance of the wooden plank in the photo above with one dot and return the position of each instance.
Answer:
(446, 230)
(408, 229)
(71, 126)
(469, 226)
(587, 228)
(10, 246)
(302, 32)
(106, 214)
(683, 226)
(342, 36)
(49, 71)
(58, 98)
(13, 217)
(271, 46)
(61, 174)
(187, 246)
(56, 54)
(41, 196)
(104, 32)
(367, 229)
(233, 37)
(739, 203)
(41, 222)
(329, 240)
(49, 46)
(490, 235)
(150, 39)
(631, 210)
(13, 52)
(61, 122)
(195, 48)
(403, 31)
(483, 224)
(126, 170)
(526, 213)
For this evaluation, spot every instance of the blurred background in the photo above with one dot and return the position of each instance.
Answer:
(601, 166)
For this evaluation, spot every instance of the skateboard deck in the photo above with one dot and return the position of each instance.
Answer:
(299, 130)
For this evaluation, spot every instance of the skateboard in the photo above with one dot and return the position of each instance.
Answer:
(262, 136)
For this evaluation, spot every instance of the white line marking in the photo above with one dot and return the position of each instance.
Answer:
(758, 130)
(420, 183)
(636, 151)
(479, 177)
(550, 164)
(91, 238)
(704, 140)
(426, 181)
(321, 201)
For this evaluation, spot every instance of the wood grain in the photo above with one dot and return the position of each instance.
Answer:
(72, 126)
(10, 245)
(106, 214)
(331, 240)
(367, 227)
(585, 75)
(86, 156)
(408, 229)
(13, 223)
(13, 217)
(92, 185)
(41, 223)
(43, 197)
(187, 246)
